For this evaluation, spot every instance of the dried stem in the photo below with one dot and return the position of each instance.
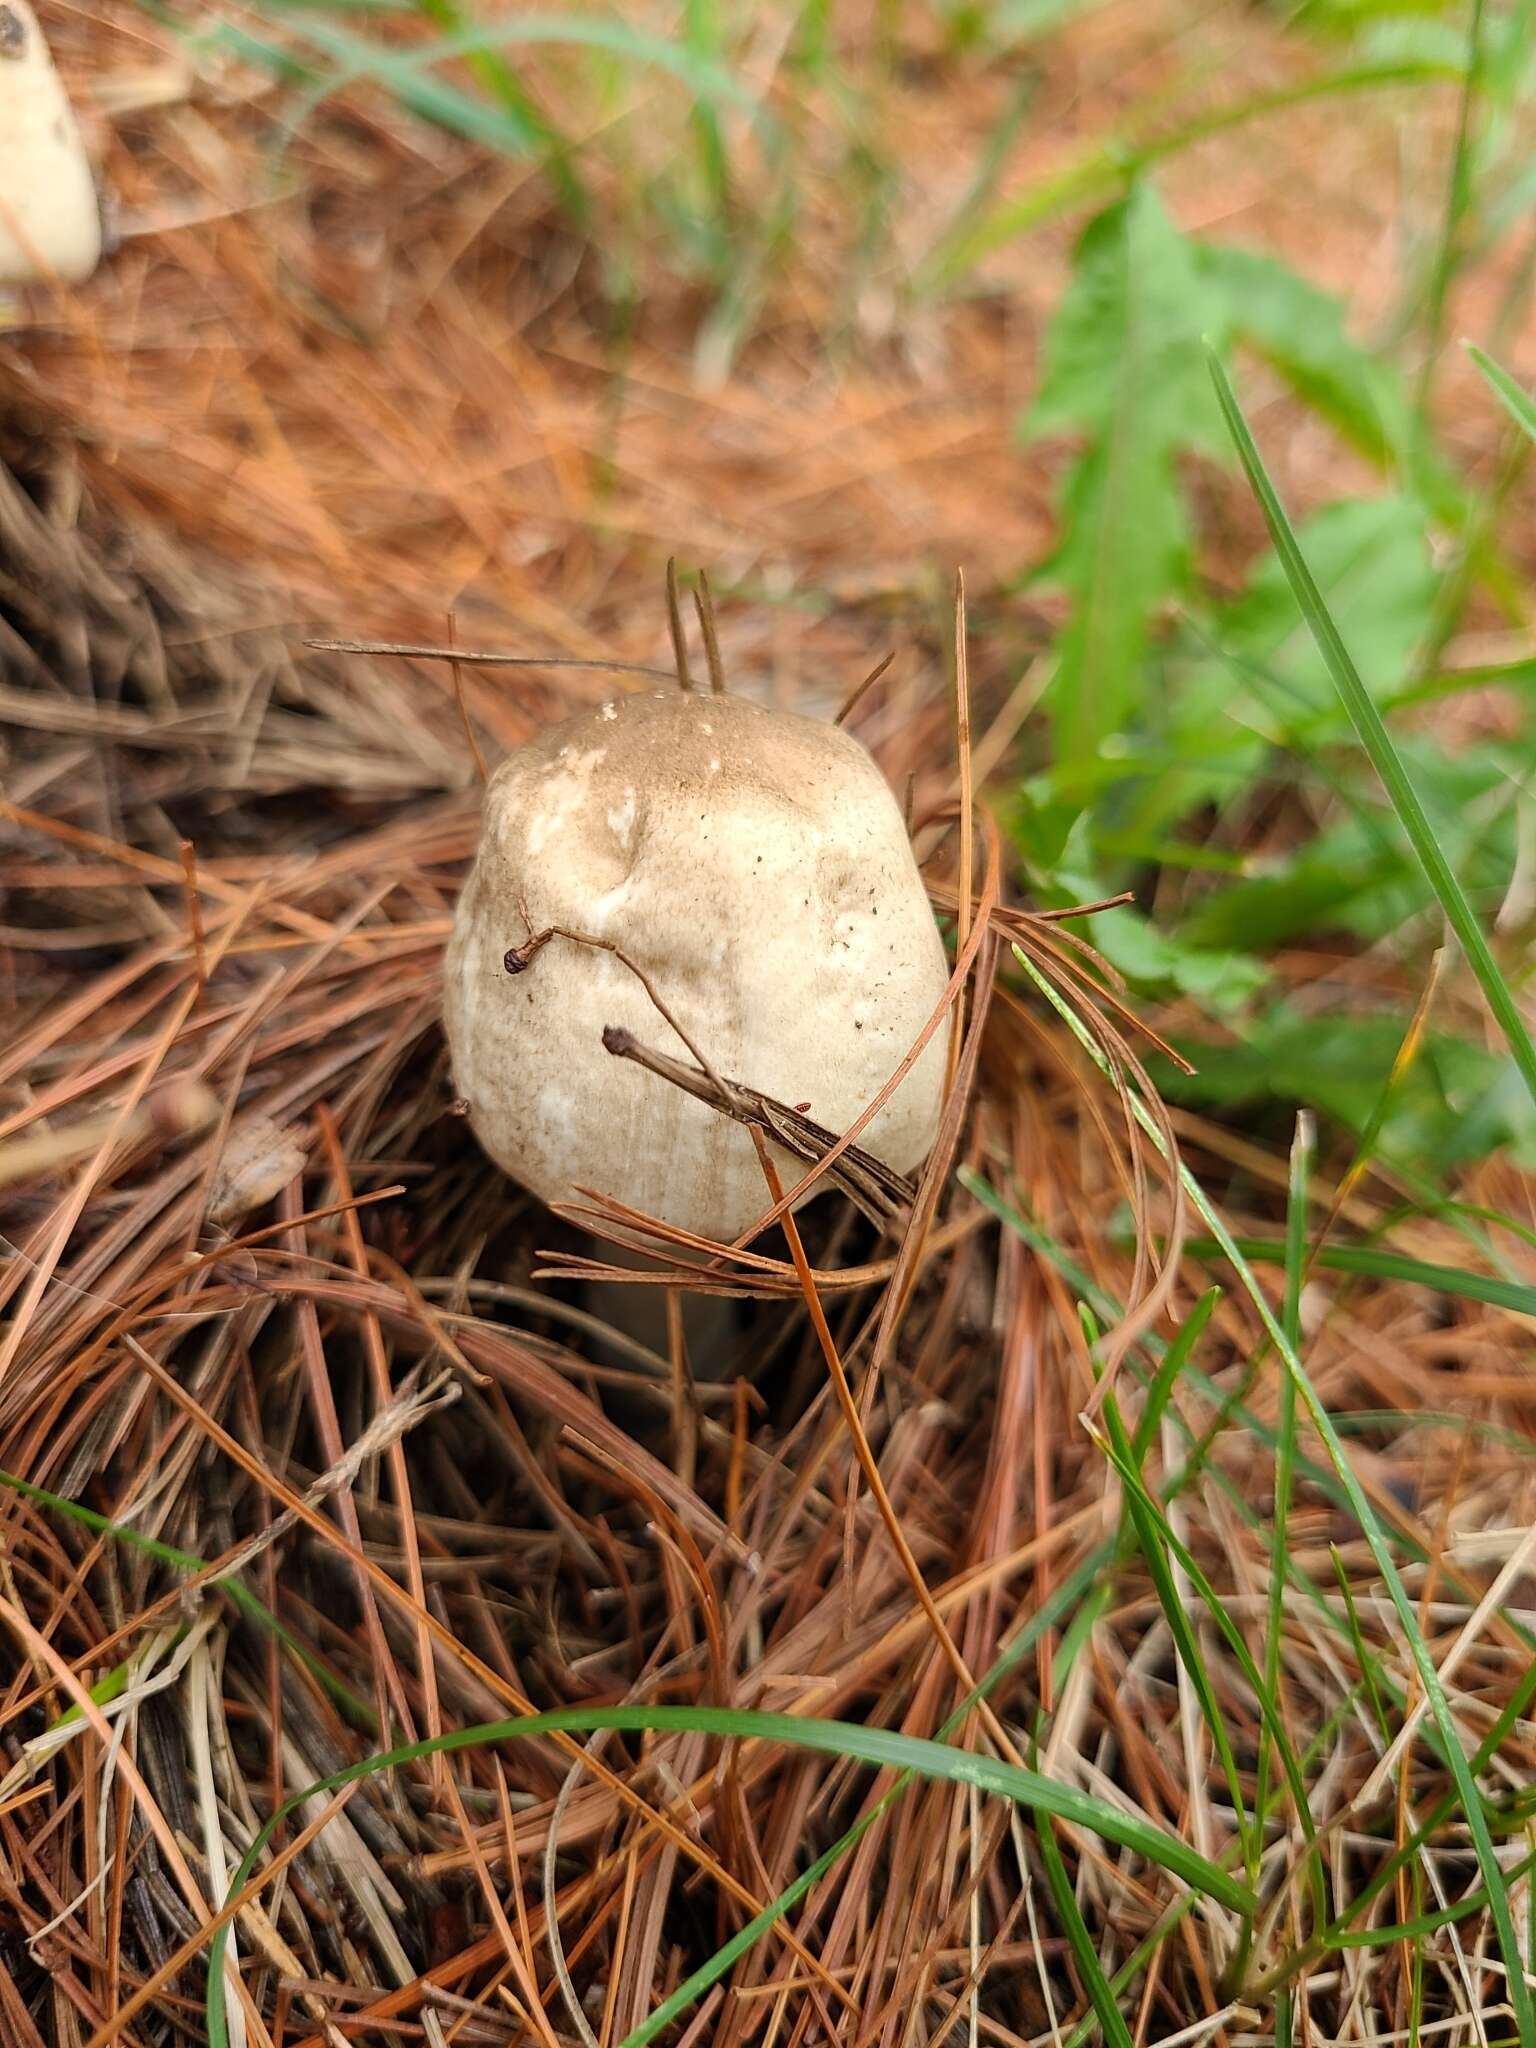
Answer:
(518, 959)
(473, 657)
(675, 626)
(851, 702)
(704, 605)
(879, 1192)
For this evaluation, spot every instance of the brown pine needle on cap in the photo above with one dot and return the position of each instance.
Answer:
(850, 703)
(704, 604)
(457, 668)
(675, 627)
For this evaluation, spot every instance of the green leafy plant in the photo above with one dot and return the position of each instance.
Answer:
(1180, 715)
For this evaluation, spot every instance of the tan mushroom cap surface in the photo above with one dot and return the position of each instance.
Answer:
(756, 866)
(50, 218)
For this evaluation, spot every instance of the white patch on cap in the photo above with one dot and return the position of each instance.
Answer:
(621, 819)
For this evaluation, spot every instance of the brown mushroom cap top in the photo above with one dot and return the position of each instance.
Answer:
(756, 866)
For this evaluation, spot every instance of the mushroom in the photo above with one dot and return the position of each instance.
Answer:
(50, 219)
(676, 866)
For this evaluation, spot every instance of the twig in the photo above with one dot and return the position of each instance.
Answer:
(458, 698)
(879, 1192)
(861, 690)
(412, 1404)
(675, 624)
(518, 959)
(1081, 909)
(704, 605)
(474, 657)
(195, 916)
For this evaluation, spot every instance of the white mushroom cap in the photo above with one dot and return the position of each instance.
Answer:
(50, 220)
(756, 867)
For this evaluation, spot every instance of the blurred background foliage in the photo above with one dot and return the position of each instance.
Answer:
(768, 174)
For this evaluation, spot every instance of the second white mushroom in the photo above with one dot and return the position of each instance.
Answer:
(50, 219)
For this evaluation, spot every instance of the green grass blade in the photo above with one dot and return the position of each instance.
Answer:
(1475, 1901)
(1458, 196)
(1383, 755)
(408, 74)
(1114, 165)
(496, 75)
(1511, 1716)
(1379, 1265)
(701, 38)
(1468, 1796)
(1285, 1451)
(103, 1692)
(882, 1748)
(1515, 399)
(1357, 1637)
(1173, 1361)
(1100, 1994)
(705, 78)
(1228, 1404)
(1152, 1534)
(1232, 1635)
(357, 1711)
(1085, 1584)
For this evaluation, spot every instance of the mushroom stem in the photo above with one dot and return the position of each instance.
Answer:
(642, 1313)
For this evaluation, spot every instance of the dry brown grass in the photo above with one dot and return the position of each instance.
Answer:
(247, 1213)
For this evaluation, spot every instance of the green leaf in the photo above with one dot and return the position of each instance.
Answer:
(1370, 558)
(1266, 685)
(1359, 875)
(1455, 1103)
(1122, 365)
(1136, 309)
(1313, 892)
(1161, 962)
(1300, 330)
